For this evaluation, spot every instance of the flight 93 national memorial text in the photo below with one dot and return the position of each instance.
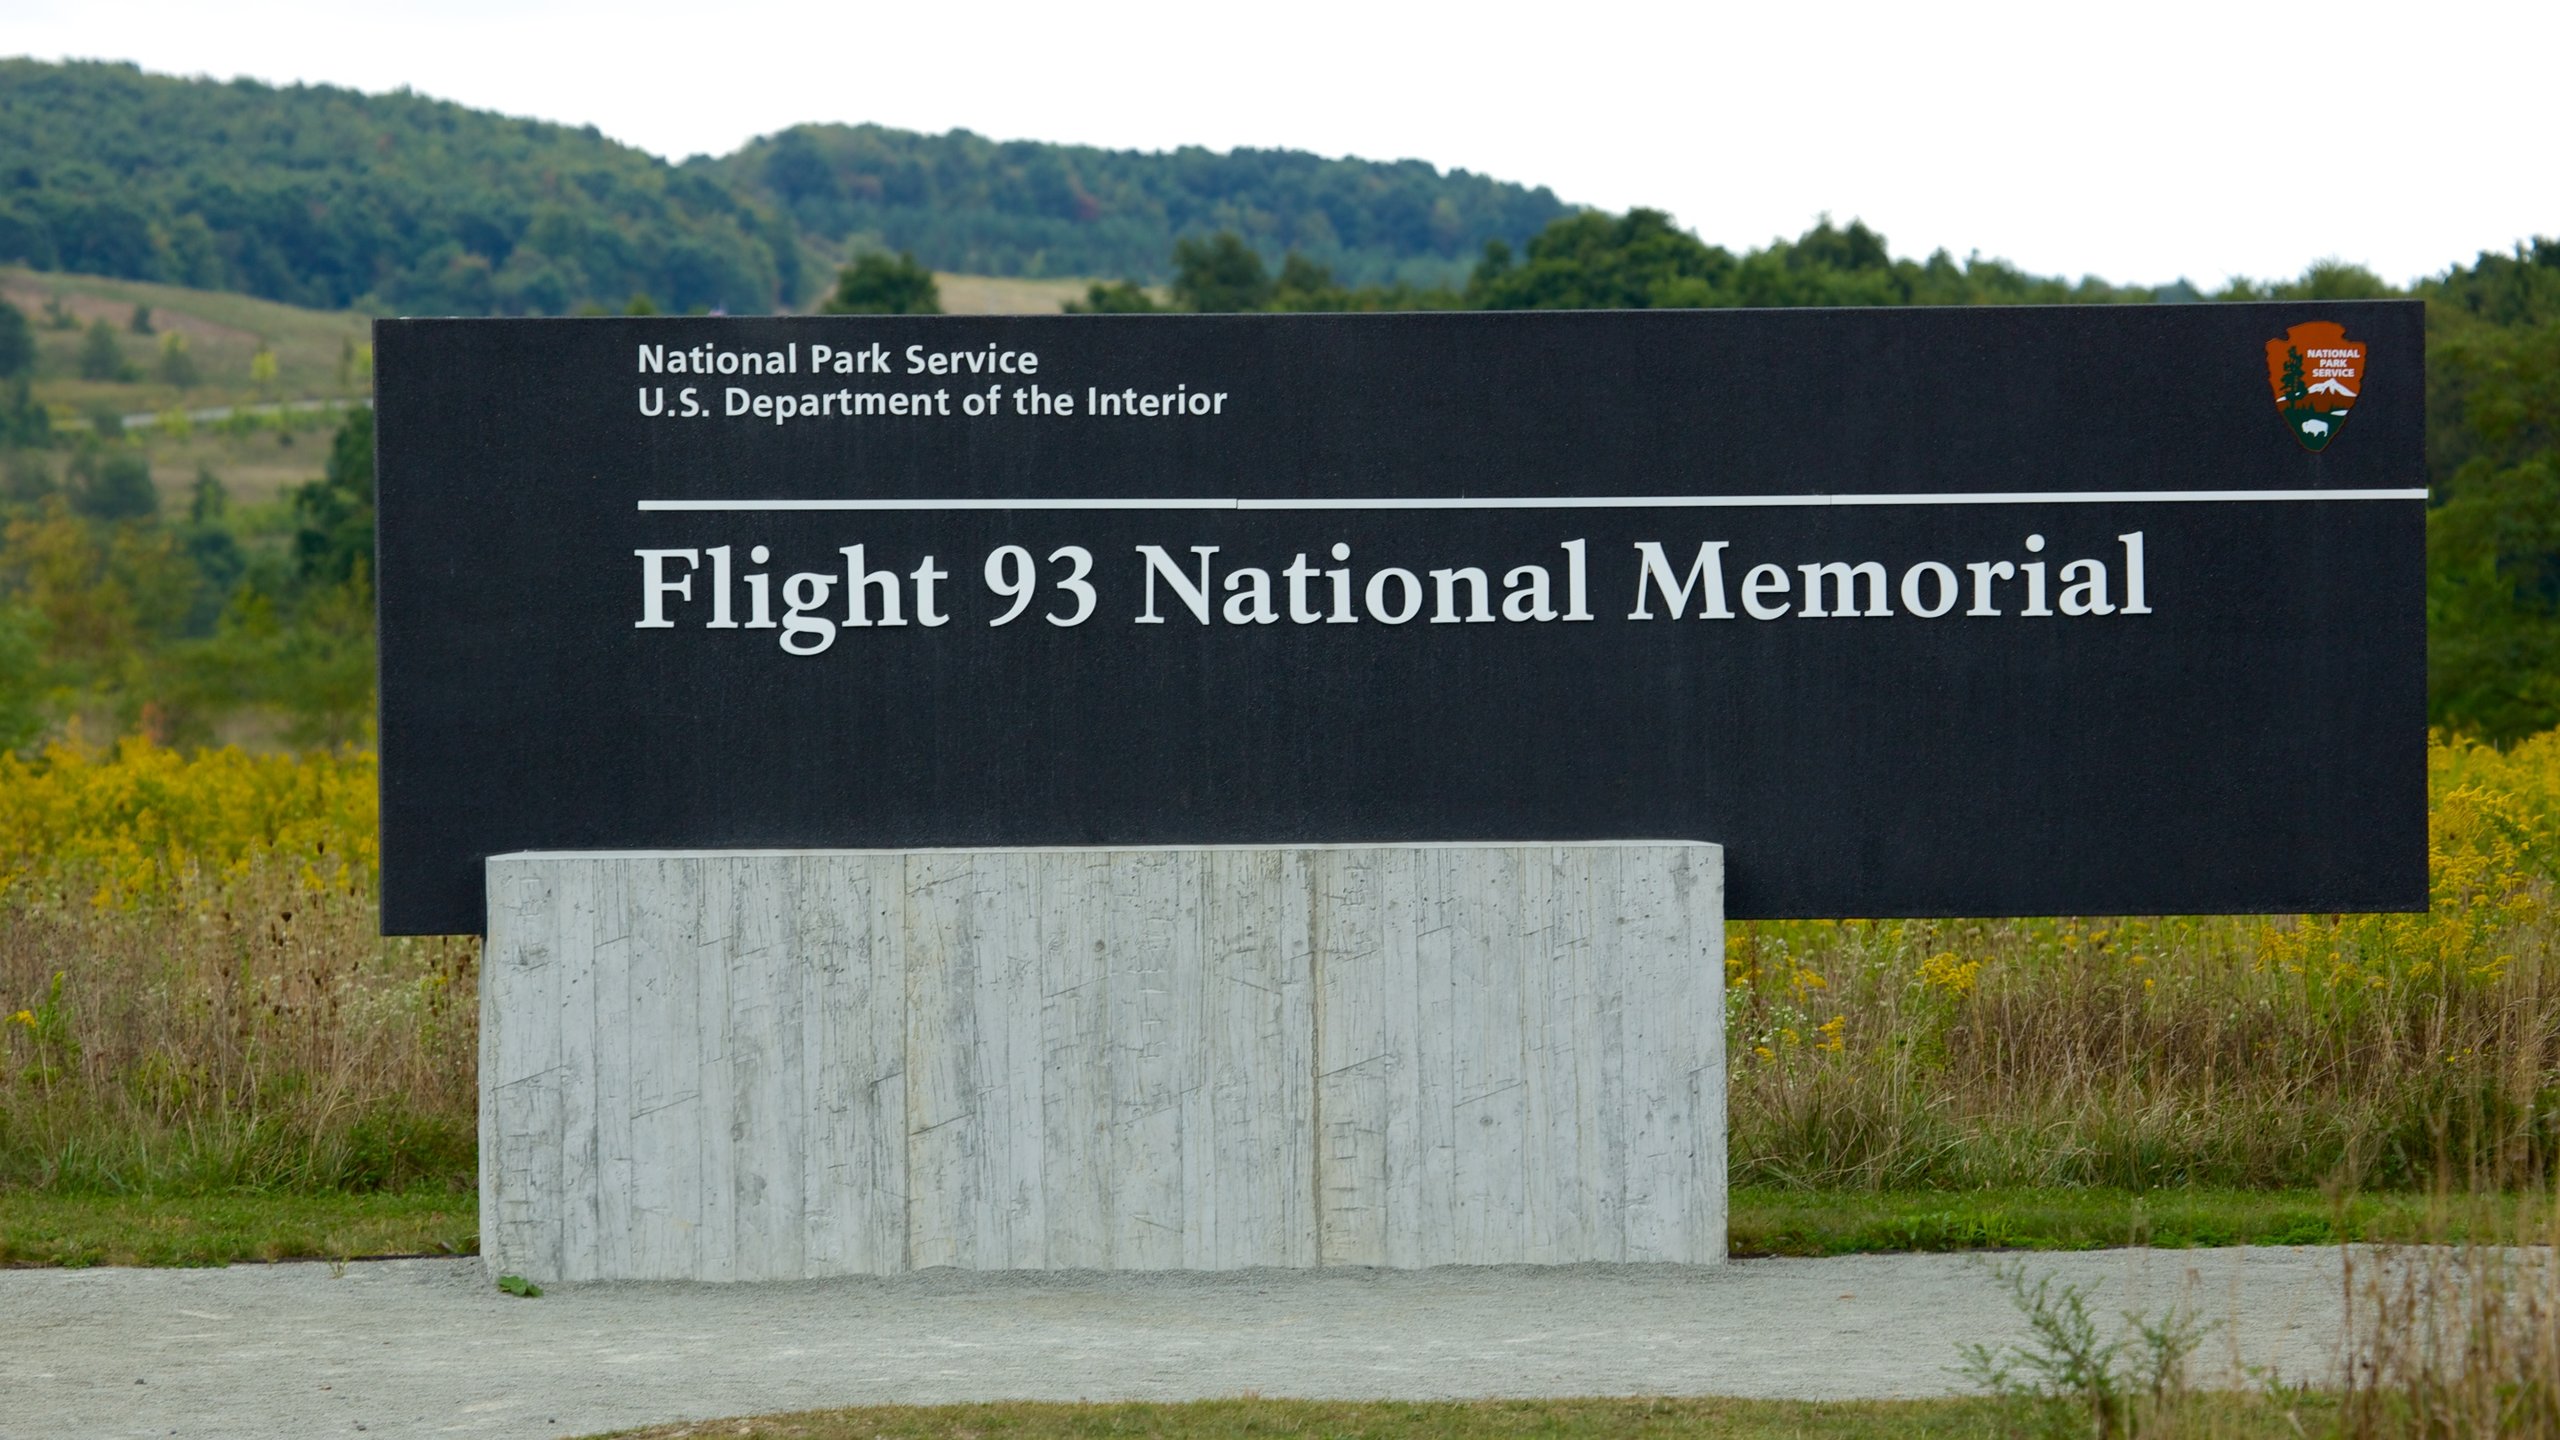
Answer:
(1917, 612)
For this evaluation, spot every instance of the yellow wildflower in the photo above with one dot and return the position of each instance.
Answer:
(1943, 971)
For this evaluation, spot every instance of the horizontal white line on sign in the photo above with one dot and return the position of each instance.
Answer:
(1208, 504)
(1575, 502)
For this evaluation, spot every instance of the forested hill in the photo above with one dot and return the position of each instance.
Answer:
(964, 202)
(328, 197)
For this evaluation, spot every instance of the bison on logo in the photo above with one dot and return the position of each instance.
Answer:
(2316, 373)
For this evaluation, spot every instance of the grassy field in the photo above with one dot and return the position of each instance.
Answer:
(2359, 1052)
(223, 331)
(1002, 295)
(53, 1228)
(319, 355)
(57, 1226)
(193, 1001)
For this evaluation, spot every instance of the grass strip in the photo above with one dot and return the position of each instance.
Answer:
(1828, 1222)
(44, 1228)
(48, 1228)
(2222, 1415)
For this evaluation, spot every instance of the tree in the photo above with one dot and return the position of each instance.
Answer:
(26, 480)
(208, 500)
(22, 420)
(17, 342)
(2493, 543)
(323, 197)
(333, 515)
(1593, 261)
(965, 202)
(101, 358)
(879, 284)
(1219, 273)
(1121, 297)
(21, 676)
(141, 322)
(1306, 286)
(262, 366)
(177, 366)
(212, 549)
(111, 485)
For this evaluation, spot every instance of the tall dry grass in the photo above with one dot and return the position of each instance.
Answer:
(2361, 1051)
(192, 996)
(2450, 1342)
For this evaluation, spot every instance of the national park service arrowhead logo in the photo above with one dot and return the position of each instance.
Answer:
(2316, 373)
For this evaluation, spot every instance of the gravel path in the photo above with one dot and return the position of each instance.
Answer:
(427, 1347)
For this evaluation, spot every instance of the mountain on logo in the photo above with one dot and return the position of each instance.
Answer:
(2315, 372)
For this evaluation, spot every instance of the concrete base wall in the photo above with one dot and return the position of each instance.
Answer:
(776, 1065)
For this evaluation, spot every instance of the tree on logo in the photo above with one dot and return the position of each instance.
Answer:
(2297, 393)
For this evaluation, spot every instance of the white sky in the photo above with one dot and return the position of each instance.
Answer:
(2140, 142)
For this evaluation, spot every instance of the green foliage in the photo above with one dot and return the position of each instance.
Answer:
(141, 322)
(177, 362)
(25, 479)
(2073, 1383)
(2493, 541)
(1593, 261)
(333, 534)
(1640, 260)
(22, 420)
(101, 356)
(1305, 286)
(331, 198)
(111, 484)
(21, 676)
(1121, 297)
(45, 1227)
(17, 342)
(519, 1287)
(980, 206)
(879, 284)
(1769, 1220)
(1219, 273)
(212, 546)
(170, 622)
(2325, 280)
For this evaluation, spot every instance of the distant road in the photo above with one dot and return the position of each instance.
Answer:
(213, 413)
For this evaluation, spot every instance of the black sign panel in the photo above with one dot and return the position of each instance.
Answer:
(1918, 612)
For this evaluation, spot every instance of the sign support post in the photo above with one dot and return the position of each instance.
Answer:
(787, 1065)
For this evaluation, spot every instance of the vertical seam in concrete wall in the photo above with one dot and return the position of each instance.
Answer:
(907, 1056)
(1316, 1154)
